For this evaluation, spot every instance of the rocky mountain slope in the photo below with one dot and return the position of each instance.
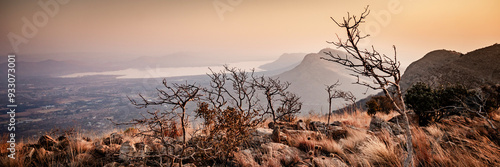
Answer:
(310, 77)
(442, 67)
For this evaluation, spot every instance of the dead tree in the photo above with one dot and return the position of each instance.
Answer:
(231, 111)
(335, 94)
(176, 97)
(370, 63)
(290, 106)
(280, 104)
(477, 104)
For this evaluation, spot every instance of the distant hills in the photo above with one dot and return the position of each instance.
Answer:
(284, 63)
(439, 67)
(442, 67)
(310, 77)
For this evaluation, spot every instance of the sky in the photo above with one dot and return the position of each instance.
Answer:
(239, 29)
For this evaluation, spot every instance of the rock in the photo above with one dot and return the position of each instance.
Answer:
(263, 132)
(377, 125)
(323, 161)
(396, 128)
(285, 154)
(301, 125)
(336, 132)
(47, 142)
(317, 126)
(126, 151)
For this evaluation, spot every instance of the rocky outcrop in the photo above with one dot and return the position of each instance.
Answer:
(442, 67)
(377, 125)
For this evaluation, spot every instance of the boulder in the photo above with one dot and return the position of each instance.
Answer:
(263, 132)
(285, 154)
(317, 126)
(377, 125)
(336, 132)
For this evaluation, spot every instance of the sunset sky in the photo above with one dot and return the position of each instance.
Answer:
(249, 30)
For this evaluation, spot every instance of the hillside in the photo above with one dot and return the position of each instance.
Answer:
(354, 139)
(284, 63)
(444, 67)
(309, 78)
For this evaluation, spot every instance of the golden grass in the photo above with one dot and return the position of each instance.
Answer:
(455, 141)
(380, 153)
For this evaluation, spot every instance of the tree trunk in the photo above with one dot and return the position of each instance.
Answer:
(409, 142)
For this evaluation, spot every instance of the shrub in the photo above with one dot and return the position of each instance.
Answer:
(379, 104)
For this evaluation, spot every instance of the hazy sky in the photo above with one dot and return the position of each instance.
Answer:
(261, 28)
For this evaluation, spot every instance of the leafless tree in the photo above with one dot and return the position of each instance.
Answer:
(477, 104)
(335, 94)
(230, 112)
(280, 103)
(370, 63)
(176, 97)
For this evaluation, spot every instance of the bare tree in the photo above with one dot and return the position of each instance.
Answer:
(335, 94)
(230, 112)
(477, 104)
(290, 106)
(370, 63)
(176, 97)
(280, 103)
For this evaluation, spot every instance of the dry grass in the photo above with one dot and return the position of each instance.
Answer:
(455, 141)
(380, 153)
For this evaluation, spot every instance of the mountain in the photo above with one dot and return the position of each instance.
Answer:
(310, 77)
(284, 63)
(442, 67)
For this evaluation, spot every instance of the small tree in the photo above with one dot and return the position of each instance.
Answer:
(280, 104)
(335, 94)
(370, 63)
(160, 124)
(290, 107)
